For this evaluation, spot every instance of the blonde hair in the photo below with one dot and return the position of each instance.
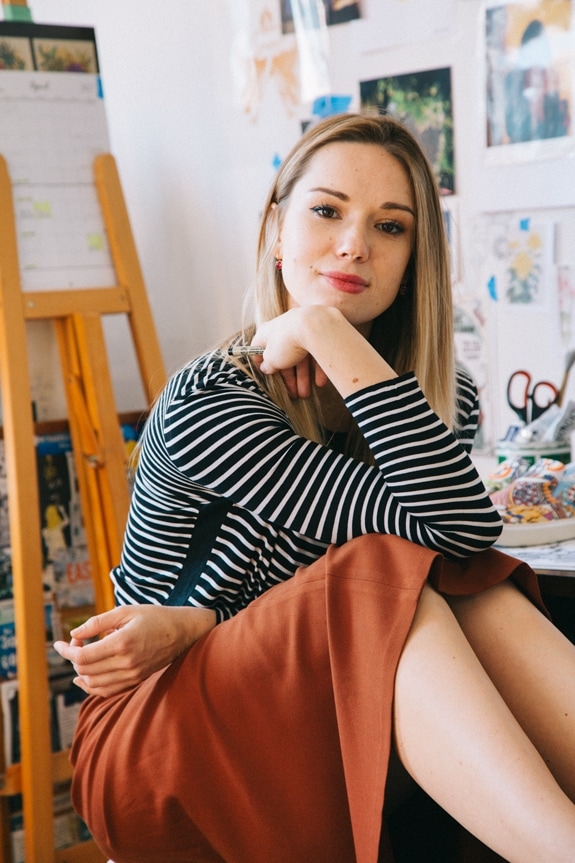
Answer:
(416, 332)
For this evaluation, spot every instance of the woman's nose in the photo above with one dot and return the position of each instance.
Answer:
(352, 243)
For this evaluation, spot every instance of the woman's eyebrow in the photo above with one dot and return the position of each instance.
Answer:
(388, 205)
(391, 205)
(341, 195)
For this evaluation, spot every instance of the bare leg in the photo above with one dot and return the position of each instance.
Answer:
(462, 745)
(533, 666)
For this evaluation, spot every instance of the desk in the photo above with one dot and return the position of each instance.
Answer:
(554, 561)
(555, 566)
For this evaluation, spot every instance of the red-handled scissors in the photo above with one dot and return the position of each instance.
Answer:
(529, 402)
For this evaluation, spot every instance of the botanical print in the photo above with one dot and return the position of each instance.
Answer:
(422, 101)
(529, 71)
(526, 265)
(65, 55)
(516, 259)
(15, 54)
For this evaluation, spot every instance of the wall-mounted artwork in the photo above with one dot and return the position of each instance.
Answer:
(336, 12)
(529, 71)
(65, 55)
(15, 54)
(422, 102)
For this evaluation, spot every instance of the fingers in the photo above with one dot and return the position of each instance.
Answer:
(298, 380)
(302, 372)
(321, 379)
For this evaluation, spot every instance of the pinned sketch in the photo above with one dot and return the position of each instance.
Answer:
(263, 62)
(530, 261)
(529, 78)
(422, 102)
(517, 259)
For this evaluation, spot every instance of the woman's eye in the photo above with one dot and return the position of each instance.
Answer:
(391, 227)
(325, 211)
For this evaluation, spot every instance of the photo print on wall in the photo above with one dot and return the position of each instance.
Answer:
(529, 71)
(422, 102)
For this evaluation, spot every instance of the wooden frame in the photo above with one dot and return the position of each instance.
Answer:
(100, 463)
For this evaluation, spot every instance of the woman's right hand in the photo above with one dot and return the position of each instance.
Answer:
(139, 640)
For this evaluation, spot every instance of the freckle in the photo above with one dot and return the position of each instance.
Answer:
(354, 380)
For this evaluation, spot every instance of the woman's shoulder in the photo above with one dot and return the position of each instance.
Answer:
(210, 371)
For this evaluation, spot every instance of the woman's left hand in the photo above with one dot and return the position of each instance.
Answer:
(139, 640)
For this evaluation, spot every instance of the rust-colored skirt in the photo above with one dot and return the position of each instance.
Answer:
(268, 741)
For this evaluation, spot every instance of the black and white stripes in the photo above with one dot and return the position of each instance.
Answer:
(214, 433)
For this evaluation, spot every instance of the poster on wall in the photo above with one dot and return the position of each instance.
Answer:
(422, 102)
(529, 73)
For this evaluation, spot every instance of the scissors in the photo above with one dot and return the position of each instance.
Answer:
(527, 400)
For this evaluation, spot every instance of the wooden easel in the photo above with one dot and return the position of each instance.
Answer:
(100, 462)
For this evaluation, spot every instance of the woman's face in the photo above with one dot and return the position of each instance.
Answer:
(346, 234)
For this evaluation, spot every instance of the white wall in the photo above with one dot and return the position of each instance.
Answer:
(195, 165)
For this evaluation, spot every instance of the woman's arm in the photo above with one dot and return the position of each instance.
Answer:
(231, 440)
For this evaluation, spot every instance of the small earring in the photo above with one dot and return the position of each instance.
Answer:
(279, 264)
(403, 289)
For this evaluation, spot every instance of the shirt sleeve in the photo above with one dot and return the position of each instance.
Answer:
(233, 440)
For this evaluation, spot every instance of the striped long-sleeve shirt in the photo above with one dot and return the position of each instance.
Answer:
(228, 500)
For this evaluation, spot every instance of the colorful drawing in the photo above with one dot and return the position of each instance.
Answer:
(525, 269)
(422, 101)
(65, 55)
(516, 259)
(529, 63)
(15, 54)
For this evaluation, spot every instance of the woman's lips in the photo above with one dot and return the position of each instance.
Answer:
(346, 282)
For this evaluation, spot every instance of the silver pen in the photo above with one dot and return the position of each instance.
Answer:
(245, 351)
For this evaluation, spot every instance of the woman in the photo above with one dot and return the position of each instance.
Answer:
(307, 575)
